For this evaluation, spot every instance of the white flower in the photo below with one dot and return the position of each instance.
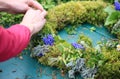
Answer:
(98, 48)
(118, 47)
(83, 43)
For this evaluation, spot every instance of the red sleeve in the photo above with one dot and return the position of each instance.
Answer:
(13, 40)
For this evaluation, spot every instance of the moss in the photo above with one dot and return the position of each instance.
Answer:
(76, 13)
(111, 66)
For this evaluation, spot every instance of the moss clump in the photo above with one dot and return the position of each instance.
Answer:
(110, 69)
(76, 13)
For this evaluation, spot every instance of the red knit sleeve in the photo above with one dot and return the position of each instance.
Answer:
(13, 40)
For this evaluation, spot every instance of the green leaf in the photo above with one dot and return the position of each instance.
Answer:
(58, 39)
(52, 61)
(60, 47)
(109, 10)
(92, 29)
(100, 63)
(112, 18)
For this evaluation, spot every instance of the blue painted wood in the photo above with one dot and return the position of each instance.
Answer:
(99, 34)
(29, 68)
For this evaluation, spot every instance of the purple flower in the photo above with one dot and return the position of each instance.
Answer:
(48, 40)
(117, 5)
(77, 46)
(40, 54)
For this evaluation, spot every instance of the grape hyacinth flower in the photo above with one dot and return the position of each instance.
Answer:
(40, 54)
(117, 5)
(48, 40)
(78, 46)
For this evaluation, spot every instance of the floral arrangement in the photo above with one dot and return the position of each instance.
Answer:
(80, 57)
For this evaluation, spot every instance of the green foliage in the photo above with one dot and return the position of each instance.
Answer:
(92, 29)
(116, 29)
(110, 68)
(7, 19)
(113, 16)
(110, 1)
(86, 39)
(112, 21)
(94, 12)
(60, 54)
(107, 61)
(93, 58)
(47, 4)
(71, 30)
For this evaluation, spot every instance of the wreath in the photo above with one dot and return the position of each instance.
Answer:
(100, 62)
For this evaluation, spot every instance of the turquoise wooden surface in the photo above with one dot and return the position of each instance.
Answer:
(29, 68)
(98, 35)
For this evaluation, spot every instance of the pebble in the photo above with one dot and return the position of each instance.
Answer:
(21, 57)
(1, 70)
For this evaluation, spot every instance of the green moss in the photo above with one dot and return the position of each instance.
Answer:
(76, 13)
(110, 69)
(86, 39)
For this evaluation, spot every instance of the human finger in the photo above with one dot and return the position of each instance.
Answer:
(43, 13)
(41, 24)
(35, 5)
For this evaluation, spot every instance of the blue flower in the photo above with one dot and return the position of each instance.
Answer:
(117, 5)
(40, 54)
(77, 46)
(48, 40)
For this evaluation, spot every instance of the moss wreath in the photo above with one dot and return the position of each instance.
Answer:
(100, 62)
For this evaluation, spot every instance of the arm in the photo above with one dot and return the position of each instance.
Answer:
(13, 40)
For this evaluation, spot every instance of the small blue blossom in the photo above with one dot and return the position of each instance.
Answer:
(40, 55)
(117, 5)
(77, 46)
(48, 40)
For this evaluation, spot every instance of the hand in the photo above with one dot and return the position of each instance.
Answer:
(34, 20)
(20, 6)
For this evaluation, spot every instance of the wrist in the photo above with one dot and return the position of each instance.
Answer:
(29, 27)
(4, 5)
